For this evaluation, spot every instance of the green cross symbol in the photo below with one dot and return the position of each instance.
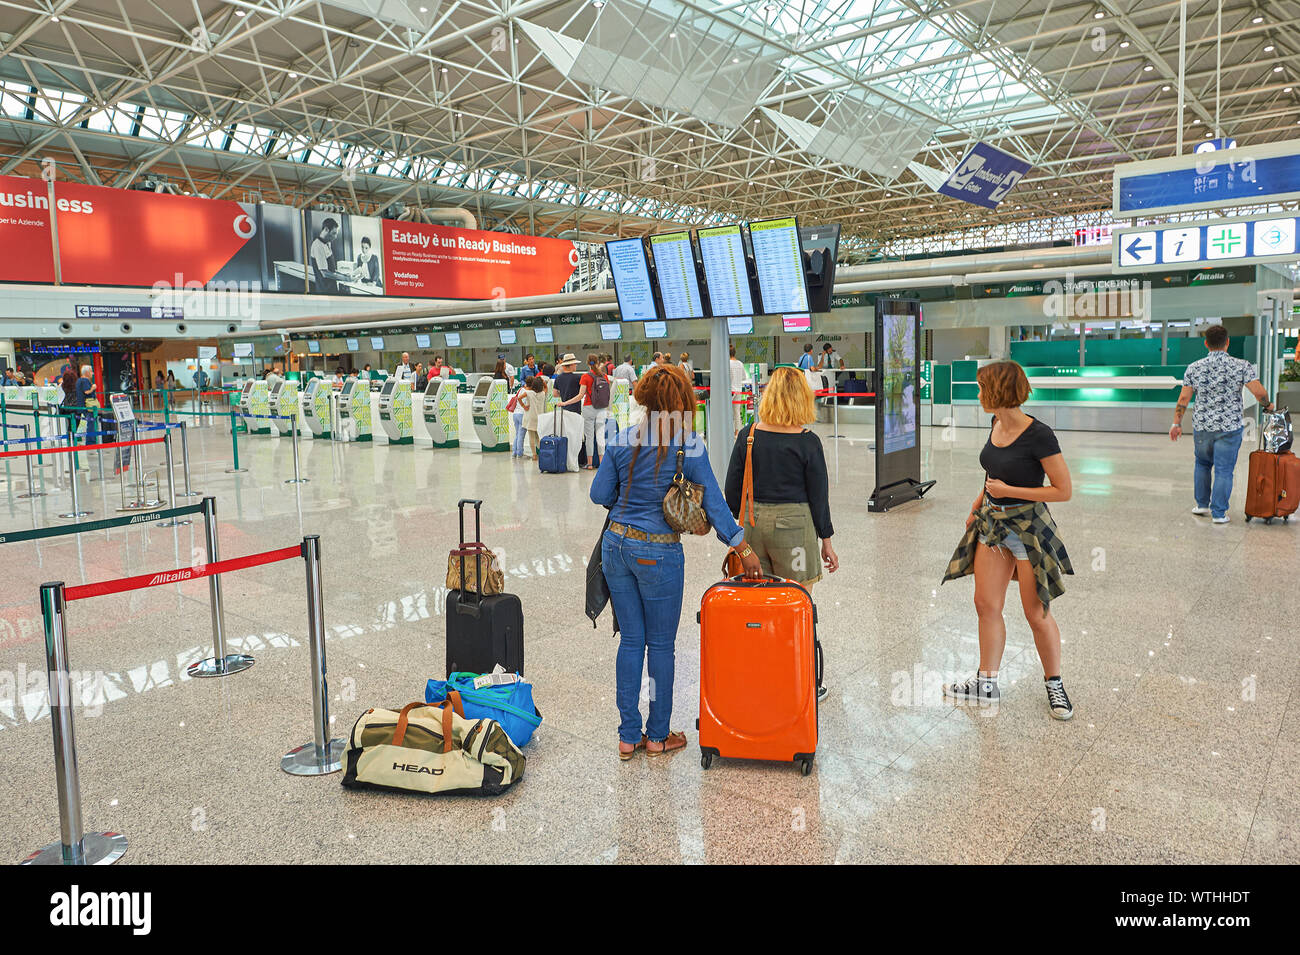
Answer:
(1225, 242)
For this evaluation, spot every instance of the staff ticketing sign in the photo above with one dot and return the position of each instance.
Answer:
(1265, 238)
(985, 176)
(1247, 175)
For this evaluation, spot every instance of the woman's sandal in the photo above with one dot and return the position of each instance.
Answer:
(626, 754)
(676, 740)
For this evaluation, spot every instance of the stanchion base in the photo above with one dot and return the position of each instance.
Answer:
(189, 493)
(174, 522)
(73, 515)
(98, 848)
(298, 481)
(140, 506)
(306, 760)
(233, 663)
(23, 497)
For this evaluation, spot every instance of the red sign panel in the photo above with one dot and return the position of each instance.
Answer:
(429, 261)
(28, 251)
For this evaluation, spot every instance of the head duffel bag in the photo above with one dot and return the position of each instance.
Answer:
(431, 749)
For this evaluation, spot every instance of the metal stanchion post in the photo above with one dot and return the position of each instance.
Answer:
(234, 446)
(185, 463)
(36, 424)
(297, 476)
(31, 479)
(76, 513)
(322, 755)
(171, 481)
(75, 846)
(220, 663)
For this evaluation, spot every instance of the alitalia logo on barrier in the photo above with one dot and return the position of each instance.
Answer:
(141, 518)
(170, 577)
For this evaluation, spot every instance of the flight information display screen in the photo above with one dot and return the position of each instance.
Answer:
(377, 343)
(421, 341)
(507, 336)
(679, 288)
(243, 349)
(314, 347)
(656, 329)
(796, 323)
(741, 325)
(544, 335)
(610, 331)
(722, 250)
(353, 344)
(636, 297)
(778, 261)
(453, 339)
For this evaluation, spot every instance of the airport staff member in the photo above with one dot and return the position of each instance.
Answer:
(830, 360)
(403, 371)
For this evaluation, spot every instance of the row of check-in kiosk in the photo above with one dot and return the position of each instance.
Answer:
(456, 410)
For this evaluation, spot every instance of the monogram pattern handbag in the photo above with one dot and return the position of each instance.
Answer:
(684, 503)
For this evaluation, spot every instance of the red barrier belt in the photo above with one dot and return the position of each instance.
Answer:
(79, 447)
(177, 576)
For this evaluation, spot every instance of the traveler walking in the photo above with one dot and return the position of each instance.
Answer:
(533, 401)
(568, 388)
(1010, 535)
(738, 378)
(596, 389)
(642, 556)
(516, 406)
(1217, 420)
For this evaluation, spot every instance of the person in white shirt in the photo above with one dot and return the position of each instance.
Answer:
(403, 371)
(626, 371)
(511, 372)
(738, 379)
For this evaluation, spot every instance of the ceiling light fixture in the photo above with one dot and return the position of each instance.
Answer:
(1268, 49)
(1098, 15)
(1164, 89)
(293, 75)
(1257, 20)
(1124, 45)
(1277, 69)
(239, 13)
(1148, 68)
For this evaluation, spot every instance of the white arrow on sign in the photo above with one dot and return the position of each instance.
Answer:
(1137, 248)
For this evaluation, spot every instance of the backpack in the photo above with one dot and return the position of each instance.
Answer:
(600, 391)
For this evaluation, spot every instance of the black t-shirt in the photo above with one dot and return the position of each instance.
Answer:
(567, 385)
(1020, 464)
(788, 469)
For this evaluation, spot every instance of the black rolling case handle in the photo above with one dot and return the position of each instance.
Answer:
(462, 606)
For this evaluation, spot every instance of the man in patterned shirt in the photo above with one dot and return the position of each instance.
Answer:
(1217, 421)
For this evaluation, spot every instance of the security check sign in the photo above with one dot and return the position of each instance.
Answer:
(1263, 238)
(985, 176)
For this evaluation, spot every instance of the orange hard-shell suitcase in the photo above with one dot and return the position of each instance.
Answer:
(1272, 486)
(760, 667)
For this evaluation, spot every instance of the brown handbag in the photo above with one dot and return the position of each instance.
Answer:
(684, 503)
(732, 566)
(482, 564)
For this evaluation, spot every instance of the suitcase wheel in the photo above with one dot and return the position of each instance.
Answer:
(1268, 520)
(706, 760)
(805, 766)
(1248, 518)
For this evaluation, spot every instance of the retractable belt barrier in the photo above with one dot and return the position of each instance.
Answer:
(79, 447)
(126, 520)
(320, 756)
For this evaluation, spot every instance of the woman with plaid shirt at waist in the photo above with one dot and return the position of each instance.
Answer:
(1010, 535)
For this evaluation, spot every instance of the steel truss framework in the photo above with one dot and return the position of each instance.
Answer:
(310, 103)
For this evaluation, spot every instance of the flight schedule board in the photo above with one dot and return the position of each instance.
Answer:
(627, 261)
(679, 287)
(778, 260)
(722, 251)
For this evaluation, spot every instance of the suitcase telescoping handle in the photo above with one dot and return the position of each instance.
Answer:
(478, 557)
(478, 510)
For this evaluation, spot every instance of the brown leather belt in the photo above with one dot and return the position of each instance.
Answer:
(632, 533)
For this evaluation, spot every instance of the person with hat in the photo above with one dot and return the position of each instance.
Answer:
(568, 388)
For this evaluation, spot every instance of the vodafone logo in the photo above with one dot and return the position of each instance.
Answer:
(244, 226)
(573, 256)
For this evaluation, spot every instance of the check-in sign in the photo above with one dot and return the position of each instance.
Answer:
(1264, 238)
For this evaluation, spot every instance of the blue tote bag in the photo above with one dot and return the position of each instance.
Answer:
(511, 704)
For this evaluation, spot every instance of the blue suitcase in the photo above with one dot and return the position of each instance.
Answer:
(553, 451)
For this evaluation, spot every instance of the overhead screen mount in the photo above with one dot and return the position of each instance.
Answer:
(898, 404)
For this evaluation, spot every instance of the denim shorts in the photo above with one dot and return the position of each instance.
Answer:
(1011, 543)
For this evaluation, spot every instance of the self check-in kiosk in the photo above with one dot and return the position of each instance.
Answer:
(284, 405)
(395, 411)
(442, 412)
(316, 407)
(491, 421)
(354, 410)
(255, 399)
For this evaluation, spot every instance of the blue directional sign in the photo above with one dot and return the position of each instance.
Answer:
(137, 312)
(1211, 179)
(1264, 238)
(985, 176)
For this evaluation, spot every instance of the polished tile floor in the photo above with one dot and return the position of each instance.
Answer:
(1181, 655)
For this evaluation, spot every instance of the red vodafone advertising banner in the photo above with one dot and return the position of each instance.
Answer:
(127, 237)
(429, 261)
(25, 242)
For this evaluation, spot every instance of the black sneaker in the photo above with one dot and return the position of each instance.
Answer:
(981, 689)
(1062, 709)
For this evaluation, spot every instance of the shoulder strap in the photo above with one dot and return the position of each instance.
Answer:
(747, 487)
(678, 476)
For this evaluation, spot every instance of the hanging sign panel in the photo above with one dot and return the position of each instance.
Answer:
(985, 176)
(1265, 238)
(1247, 175)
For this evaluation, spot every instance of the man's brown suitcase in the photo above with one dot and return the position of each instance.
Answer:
(1273, 486)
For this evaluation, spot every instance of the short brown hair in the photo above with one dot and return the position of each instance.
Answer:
(1216, 336)
(1003, 384)
(787, 401)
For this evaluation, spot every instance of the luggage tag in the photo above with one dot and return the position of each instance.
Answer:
(498, 677)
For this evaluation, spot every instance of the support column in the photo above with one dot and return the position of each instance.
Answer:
(999, 338)
(719, 407)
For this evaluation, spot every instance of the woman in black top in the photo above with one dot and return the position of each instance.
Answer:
(1010, 511)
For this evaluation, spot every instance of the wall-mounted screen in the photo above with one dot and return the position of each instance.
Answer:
(796, 323)
(421, 341)
(778, 262)
(610, 331)
(820, 245)
(627, 260)
(243, 349)
(453, 339)
(722, 250)
(313, 347)
(656, 329)
(507, 336)
(679, 286)
(740, 325)
(544, 336)
(353, 344)
(377, 343)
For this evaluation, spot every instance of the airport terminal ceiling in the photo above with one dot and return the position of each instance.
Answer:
(594, 119)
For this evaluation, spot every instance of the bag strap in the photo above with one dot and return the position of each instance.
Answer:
(451, 704)
(679, 475)
(747, 487)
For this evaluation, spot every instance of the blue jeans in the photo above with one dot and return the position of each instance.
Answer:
(1216, 456)
(518, 447)
(645, 581)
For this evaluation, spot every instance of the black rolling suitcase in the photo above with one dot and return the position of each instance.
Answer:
(482, 631)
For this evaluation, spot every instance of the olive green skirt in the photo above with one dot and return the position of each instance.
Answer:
(785, 540)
